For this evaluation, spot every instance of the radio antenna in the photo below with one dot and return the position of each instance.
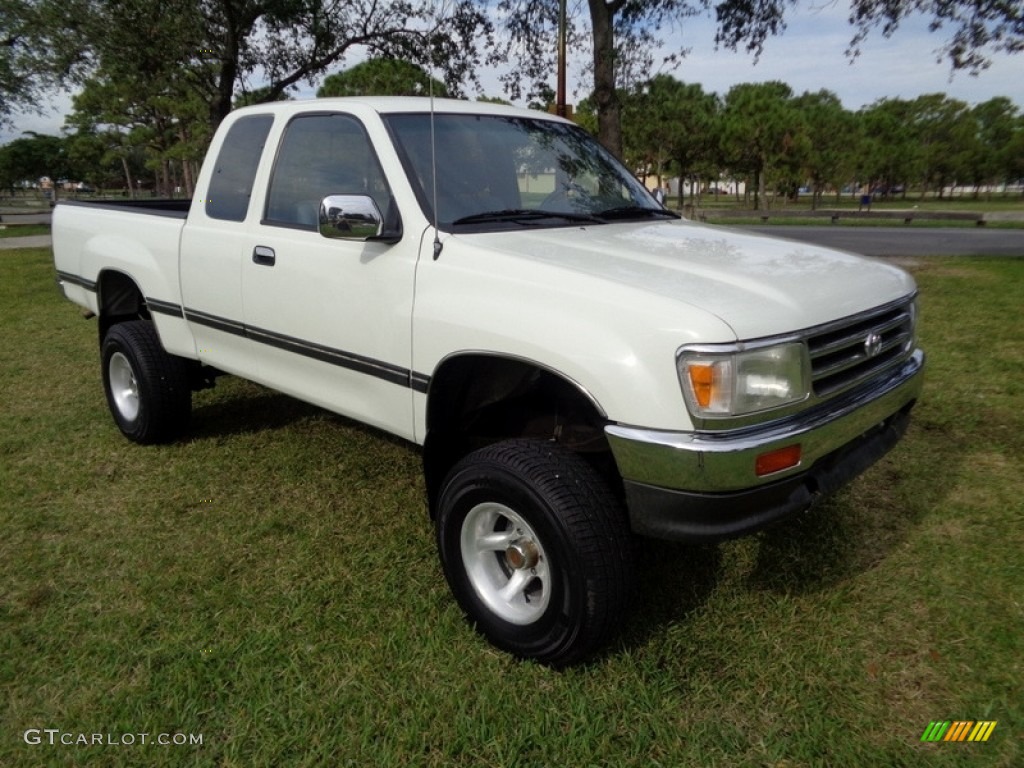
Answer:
(433, 173)
(438, 246)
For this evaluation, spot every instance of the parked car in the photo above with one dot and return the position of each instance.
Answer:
(578, 364)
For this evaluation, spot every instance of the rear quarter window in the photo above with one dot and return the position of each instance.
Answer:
(235, 170)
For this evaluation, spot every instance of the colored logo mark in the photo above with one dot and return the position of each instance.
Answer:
(958, 730)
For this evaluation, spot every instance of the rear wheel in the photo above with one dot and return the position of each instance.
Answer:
(147, 389)
(536, 549)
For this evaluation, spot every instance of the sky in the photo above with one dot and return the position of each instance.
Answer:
(808, 56)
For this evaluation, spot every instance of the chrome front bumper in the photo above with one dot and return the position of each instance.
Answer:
(703, 485)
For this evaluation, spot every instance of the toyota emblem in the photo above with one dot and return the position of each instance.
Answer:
(873, 344)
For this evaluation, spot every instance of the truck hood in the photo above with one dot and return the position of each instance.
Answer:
(758, 285)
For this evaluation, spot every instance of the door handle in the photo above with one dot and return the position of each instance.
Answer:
(263, 256)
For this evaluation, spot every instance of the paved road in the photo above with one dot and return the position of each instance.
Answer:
(15, 216)
(907, 241)
(20, 217)
(32, 241)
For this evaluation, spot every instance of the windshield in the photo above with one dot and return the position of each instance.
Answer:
(498, 172)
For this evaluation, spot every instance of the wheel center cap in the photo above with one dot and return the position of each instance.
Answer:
(522, 555)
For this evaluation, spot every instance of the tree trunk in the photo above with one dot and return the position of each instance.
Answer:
(165, 173)
(609, 111)
(128, 177)
(220, 104)
(186, 177)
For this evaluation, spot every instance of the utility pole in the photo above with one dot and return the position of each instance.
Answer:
(560, 108)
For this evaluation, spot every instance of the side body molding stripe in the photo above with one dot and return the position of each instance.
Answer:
(404, 377)
(369, 366)
(67, 277)
(165, 308)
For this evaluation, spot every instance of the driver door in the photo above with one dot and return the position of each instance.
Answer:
(330, 318)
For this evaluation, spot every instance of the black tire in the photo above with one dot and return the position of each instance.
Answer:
(147, 390)
(533, 512)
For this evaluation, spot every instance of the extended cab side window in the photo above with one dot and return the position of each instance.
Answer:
(235, 171)
(322, 155)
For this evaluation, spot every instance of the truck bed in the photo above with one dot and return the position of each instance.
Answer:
(157, 207)
(135, 238)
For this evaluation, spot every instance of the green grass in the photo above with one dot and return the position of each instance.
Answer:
(995, 203)
(1011, 202)
(998, 204)
(24, 230)
(271, 584)
(735, 221)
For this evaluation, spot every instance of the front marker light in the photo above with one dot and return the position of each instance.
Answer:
(710, 384)
(738, 382)
(702, 382)
(778, 460)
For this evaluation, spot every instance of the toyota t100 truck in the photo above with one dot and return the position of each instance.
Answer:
(577, 363)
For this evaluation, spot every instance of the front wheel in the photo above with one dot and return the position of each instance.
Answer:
(536, 549)
(147, 389)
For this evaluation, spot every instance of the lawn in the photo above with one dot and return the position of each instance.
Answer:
(24, 230)
(1009, 202)
(787, 212)
(270, 586)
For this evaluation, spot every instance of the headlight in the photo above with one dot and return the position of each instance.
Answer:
(734, 382)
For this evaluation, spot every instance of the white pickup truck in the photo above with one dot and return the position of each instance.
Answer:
(578, 363)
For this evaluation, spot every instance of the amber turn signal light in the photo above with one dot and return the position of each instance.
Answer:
(778, 460)
(702, 379)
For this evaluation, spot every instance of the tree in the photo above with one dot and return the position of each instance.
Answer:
(671, 123)
(34, 156)
(1015, 154)
(90, 161)
(891, 155)
(620, 34)
(261, 95)
(382, 77)
(291, 42)
(832, 141)
(996, 121)
(946, 133)
(102, 110)
(217, 46)
(139, 105)
(976, 28)
(158, 71)
(494, 100)
(34, 56)
(19, 76)
(761, 134)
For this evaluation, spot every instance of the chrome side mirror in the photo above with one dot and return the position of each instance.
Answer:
(350, 217)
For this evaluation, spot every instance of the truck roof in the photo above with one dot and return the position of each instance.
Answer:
(399, 104)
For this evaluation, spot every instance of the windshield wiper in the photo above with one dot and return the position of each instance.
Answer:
(635, 212)
(524, 214)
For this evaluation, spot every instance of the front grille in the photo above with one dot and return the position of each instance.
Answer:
(845, 354)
